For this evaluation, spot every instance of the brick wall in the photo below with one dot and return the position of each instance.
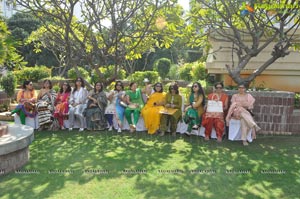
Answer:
(274, 112)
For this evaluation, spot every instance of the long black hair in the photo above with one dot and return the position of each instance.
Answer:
(200, 91)
(119, 83)
(82, 83)
(158, 84)
(25, 83)
(68, 88)
(101, 84)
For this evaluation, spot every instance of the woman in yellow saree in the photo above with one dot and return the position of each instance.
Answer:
(151, 110)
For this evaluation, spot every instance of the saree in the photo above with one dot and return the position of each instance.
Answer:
(95, 113)
(151, 111)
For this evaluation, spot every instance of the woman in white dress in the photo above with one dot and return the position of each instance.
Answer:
(77, 104)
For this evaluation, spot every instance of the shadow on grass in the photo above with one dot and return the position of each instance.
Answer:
(148, 166)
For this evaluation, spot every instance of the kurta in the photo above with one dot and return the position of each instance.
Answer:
(45, 107)
(26, 106)
(151, 110)
(62, 107)
(176, 100)
(216, 120)
(238, 110)
(135, 98)
(193, 115)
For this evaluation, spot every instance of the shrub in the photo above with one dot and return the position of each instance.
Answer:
(32, 73)
(185, 72)
(173, 73)
(8, 82)
(198, 71)
(72, 73)
(162, 66)
(139, 76)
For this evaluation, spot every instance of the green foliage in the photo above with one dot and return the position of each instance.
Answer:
(185, 72)
(56, 87)
(108, 72)
(162, 66)
(32, 73)
(8, 53)
(83, 73)
(173, 73)
(8, 82)
(193, 71)
(297, 100)
(139, 76)
(198, 71)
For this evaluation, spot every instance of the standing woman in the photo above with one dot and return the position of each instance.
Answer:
(26, 99)
(95, 110)
(77, 103)
(154, 105)
(241, 108)
(45, 105)
(135, 104)
(114, 107)
(216, 119)
(194, 111)
(62, 104)
(173, 101)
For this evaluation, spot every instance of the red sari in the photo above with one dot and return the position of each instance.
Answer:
(215, 120)
(62, 107)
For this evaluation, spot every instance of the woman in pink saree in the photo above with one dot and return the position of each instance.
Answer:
(241, 109)
(62, 104)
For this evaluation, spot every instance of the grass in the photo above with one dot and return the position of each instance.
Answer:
(109, 165)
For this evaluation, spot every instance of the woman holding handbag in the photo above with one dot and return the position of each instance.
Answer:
(214, 115)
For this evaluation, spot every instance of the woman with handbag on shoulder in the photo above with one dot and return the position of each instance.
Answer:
(214, 116)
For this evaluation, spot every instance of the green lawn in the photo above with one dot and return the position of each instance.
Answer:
(109, 165)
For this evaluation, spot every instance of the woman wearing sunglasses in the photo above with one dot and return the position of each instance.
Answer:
(195, 109)
(216, 118)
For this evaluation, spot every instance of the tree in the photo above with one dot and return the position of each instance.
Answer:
(132, 30)
(232, 20)
(21, 26)
(9, 58)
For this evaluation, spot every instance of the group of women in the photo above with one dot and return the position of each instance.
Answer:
(160, 110)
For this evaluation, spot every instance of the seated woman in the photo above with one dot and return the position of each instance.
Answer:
(173, 112)
(154, 105)
(62, 104)
(135, 104)
(26, 99)
(77, 103)
(215, 119)
(240, 108)
(95, 110)
(194, 111)
(45, 105)
(114, 107)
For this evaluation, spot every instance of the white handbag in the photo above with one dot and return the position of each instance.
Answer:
(214, 106)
